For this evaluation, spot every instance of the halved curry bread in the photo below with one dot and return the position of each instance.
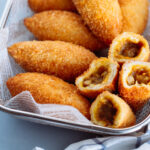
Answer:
(109, 110)
(134, 83)
(129, 46)
(101, 76)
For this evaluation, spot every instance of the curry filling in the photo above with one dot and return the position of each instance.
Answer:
(107, 112)
(130, 49)
(139, 76)
(96, 77)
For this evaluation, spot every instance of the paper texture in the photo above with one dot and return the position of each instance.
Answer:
(16, 32)
(25, 102)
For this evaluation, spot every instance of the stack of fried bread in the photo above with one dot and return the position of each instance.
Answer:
(63, 68)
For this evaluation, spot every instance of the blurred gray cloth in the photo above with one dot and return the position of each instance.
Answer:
(114, 143)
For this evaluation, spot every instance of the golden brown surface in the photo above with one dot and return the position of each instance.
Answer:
(135, 15)
(63, 26)
(48, 89)
(134, 83)
(129, 46)
(58, 58)
(109, 110)
(42, 5)
(101, 76)
(110, 17)
(104, 17)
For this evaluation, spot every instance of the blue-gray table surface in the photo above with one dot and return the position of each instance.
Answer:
(17, 134)
(2, 6)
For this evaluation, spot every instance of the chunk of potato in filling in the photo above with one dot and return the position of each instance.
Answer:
(96, 77)
(130, 49)
(139, 76)
(107, 112)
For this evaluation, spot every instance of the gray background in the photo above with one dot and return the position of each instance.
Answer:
(17, 134)
(2, 6)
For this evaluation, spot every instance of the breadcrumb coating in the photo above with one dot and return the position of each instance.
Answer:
(104, 17)
(63, 26)
(42, 5)
(48, 89)
(62, 59)
(135, 15)
(108, 18)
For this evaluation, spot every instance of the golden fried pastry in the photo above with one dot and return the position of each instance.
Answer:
(109, 110)
(62, 59)
(101, 76)
(42, 5)
(104, 17)
(48, 89)
(135, 15)
(108, 18)
(134, 83)
(129, 46)
(63, 26)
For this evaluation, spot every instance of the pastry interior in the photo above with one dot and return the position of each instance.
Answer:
(129, 49)
(98, 74)
(139, 75)
(97, 77)
(106, 112)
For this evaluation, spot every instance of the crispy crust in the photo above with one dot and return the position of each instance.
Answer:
(135, 96)
(124, 116)
(120, 41)
(63, 26)
(58, 58)
(135, 15)
(109, 18)
(110, 86)
(42, 5)
(48, 89)
(103, 17)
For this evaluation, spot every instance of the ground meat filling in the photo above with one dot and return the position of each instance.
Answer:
(139, 76)
(96, 77)
(107, 112)
(130, 49)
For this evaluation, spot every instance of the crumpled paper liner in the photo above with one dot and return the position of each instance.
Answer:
(25, 102)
